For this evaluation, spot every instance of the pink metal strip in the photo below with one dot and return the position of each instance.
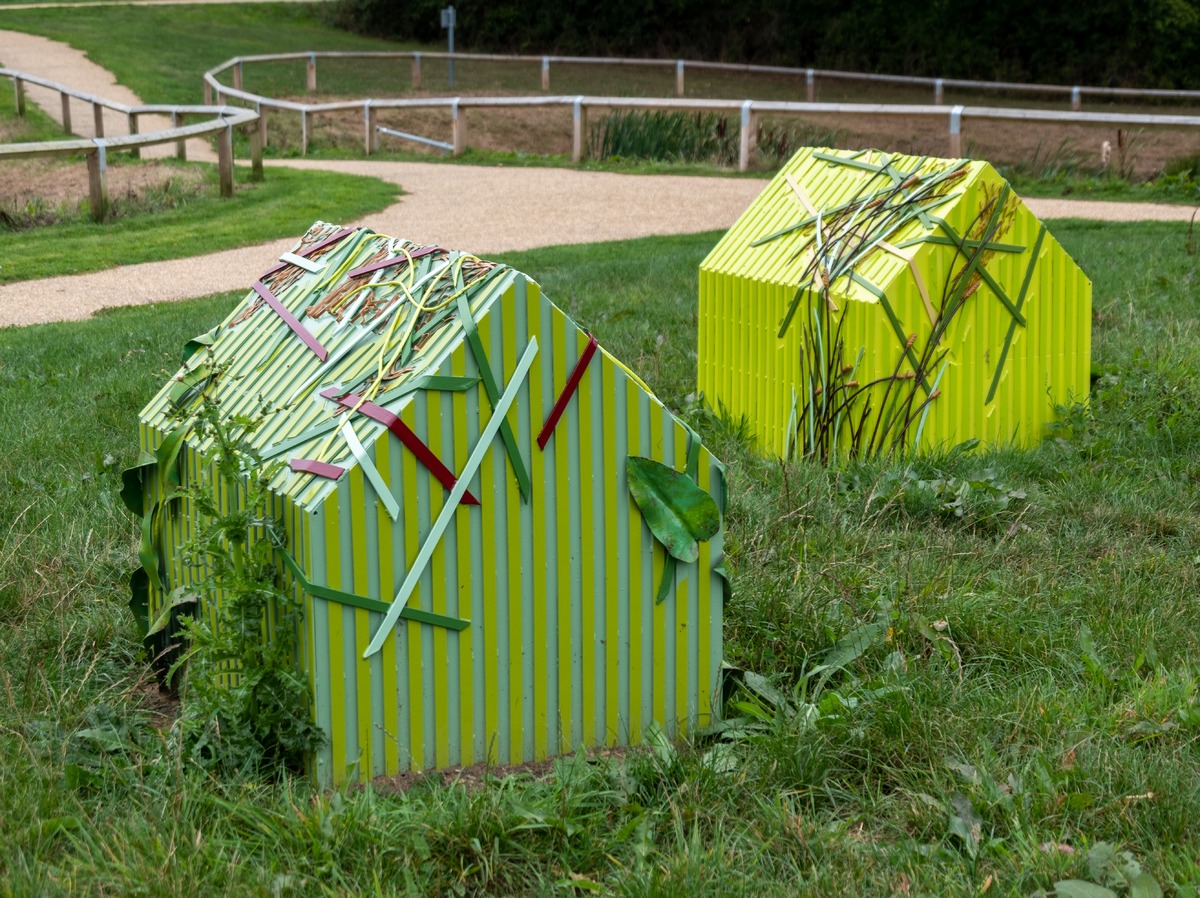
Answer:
(290, 320)
(394, 260)
(319, 468)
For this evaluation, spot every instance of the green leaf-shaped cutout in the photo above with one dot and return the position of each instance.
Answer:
(677, 511)
(132, 480)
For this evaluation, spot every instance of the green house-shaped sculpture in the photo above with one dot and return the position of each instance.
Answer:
(873, 301)
(479, 582)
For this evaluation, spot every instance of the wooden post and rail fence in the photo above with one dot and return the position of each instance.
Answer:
(221, 122)
(748, 111)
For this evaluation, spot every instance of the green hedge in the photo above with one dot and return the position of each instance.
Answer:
(1151, 43)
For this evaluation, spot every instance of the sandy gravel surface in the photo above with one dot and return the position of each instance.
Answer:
(64, 64)
(488, 210)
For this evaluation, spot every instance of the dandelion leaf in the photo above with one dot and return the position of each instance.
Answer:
(678, 512)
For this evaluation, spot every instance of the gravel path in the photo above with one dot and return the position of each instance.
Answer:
(488, 210)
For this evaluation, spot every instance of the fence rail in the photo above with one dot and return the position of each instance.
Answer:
(748, 110)
(222, 121)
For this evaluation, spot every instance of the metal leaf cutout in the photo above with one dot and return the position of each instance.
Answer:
(678, 512)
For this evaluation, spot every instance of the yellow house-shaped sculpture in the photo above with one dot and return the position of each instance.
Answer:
(452, 473)
(869, 301)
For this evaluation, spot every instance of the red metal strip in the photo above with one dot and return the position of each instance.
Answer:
(290, 320)
(406, 436)
(319, 468)
(560, 404)
(394, 260)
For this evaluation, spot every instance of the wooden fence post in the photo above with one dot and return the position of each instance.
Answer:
(131, 119)
(1076, 98)
(956, 132)
(262, 124)
(97, 164)
(578, 131)
(19, 91)
(749, 137)
(225, 160)
(545, 73)
(237, 75)
(939, 93)
(416, 71)
(303, 132)
(312, 72)
(458, 119)
(370, 138)
(180, 145)
(256, 154)
(679, 77)
(98, 119)
(810, 85)
(207, 93)
(66, 111)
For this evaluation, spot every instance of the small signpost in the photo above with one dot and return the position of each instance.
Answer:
(448, 24)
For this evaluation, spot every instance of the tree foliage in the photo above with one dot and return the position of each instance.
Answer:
(1152, 43)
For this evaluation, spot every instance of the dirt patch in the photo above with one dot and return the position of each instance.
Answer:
(1037, 147)
(41, 191)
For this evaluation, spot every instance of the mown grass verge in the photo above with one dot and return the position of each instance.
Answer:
(282, 205)
(1027, 685)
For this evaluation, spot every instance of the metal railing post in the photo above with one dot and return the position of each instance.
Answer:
(956, 131)
(578, 130)
(749, 138)
(458, 121)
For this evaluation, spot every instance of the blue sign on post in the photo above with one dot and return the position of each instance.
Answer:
(448, 23)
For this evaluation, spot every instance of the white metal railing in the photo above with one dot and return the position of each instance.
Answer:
(222, 121)
(748, 110)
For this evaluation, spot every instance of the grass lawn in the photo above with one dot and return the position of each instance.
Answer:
(284, 203)
(1030, 691)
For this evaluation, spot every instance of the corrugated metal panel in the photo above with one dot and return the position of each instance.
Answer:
(566, 646)
(745, 290)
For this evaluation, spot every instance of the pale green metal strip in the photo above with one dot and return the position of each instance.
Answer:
(493, 392)
(426, 589)
(646, 408)
(547, 494)
(621, 451)
(350, 667)
(399, 639)
(455, 496)
(323, 681)
(576, 528)
(454, 589)
(599, 545)
(500, 680)
(669, 608)
(525, 428)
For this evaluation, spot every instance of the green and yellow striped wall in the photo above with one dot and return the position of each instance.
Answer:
(534, 629)
(1002, 379)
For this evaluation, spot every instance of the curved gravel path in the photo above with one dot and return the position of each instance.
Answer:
(488, 210)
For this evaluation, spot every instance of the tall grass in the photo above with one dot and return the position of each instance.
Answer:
(696, 137)
(1023, 685)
